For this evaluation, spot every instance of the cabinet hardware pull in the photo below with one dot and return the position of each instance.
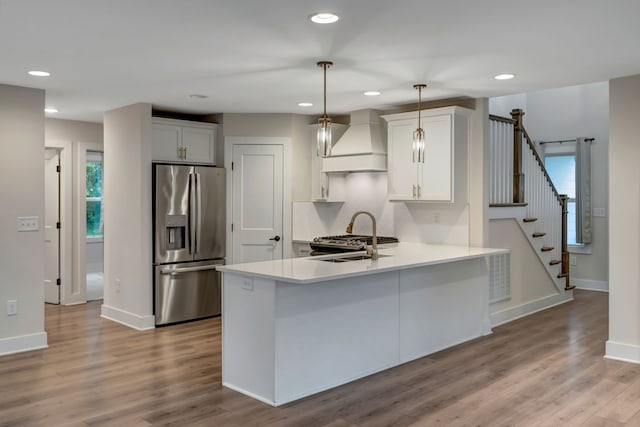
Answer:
(414, 191)
(419, 191)
(323, 192)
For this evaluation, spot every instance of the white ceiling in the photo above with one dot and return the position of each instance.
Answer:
(260, 55)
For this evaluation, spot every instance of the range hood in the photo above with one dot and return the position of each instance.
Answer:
(362, 148)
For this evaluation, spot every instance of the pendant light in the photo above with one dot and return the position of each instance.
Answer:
(324, 122)
(418, 134)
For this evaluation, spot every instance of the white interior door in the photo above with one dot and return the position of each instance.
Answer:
(51, 230)
(257, 202)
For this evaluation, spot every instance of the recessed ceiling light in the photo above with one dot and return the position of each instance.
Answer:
(39, 73)
(198, 96)
(324, 18)
(305, 104)
(505, 76)
(50, 110)
(372, 93)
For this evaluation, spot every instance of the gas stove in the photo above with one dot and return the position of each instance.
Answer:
(347, 243)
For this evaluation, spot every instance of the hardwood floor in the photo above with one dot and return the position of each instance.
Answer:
(543, 370)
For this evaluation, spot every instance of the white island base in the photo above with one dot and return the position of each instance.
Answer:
(283, 341)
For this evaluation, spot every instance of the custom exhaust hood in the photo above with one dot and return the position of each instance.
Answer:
(362, 148)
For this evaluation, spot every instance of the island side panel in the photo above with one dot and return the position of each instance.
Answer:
(441, 306)
(331, 333)
(248, 307)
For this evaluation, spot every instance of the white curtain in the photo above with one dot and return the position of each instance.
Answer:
(583, 191)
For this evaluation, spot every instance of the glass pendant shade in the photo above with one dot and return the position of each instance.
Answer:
(324, 122)
(324, 137)
(418, 146)
(418, 134)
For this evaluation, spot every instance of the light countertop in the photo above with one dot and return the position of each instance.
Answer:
(403, 256)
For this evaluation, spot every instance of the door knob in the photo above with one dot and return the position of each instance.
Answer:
(276, 238)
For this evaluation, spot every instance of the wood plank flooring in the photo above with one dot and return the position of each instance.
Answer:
(543, 370)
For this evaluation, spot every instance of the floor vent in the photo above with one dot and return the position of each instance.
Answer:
(499, 277)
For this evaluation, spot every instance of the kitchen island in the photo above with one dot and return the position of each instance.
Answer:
(295, 327)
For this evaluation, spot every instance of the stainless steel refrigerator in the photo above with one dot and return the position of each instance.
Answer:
(189, 241)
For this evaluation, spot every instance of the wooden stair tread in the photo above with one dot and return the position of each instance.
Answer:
(555, 261)
(570, 287)
(540, 234)
(507, 205)
(530, 220)
(546, 248)
(561, 275)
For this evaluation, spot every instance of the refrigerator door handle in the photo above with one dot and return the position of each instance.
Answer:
(198, 211)
(174, 271)
(192, 214)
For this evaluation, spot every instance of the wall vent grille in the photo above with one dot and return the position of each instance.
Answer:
(499, 277)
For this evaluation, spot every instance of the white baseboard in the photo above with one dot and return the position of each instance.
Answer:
(591, 285)
(513, 313)
(23, 343)
(131, 320)
(624, 352)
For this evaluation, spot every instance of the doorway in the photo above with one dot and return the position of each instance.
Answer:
(52, 225)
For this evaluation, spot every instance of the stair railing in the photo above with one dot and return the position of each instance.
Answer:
(518, 177)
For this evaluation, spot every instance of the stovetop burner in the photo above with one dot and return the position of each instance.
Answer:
(346, 243)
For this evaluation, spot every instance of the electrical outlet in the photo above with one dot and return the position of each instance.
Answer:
(247, 284)
(28, 223)
(599, 212)
(436, 217)
(117, 286)
(12, 307)
(572, 260)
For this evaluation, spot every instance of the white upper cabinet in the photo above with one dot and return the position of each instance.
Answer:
(180, 141)
(325, 187)
(446, 130)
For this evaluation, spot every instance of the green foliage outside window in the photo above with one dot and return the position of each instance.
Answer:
(94, 199)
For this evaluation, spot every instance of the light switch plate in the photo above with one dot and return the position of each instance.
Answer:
(28, 223)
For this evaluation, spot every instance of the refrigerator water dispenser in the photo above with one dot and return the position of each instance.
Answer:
(176, 227)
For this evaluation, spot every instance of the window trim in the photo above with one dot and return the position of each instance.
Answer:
(93, 157)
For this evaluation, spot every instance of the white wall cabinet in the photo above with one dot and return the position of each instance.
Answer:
(180, 141)
(431, 181)
(325, 187)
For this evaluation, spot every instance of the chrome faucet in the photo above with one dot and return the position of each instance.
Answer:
(373, 251)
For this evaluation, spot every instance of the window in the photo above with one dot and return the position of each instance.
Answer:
(94, 194)
(562, 171)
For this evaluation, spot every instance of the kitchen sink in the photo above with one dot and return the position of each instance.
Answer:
(350, 258)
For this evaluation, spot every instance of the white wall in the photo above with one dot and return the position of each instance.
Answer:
(127, 210)
(568, 113)
(624, 227)
(22, 189)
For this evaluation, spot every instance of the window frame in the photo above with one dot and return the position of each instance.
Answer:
(563, 149)
(94, 157)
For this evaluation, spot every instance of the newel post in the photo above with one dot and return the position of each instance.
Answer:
(518, 176)
(565, 251)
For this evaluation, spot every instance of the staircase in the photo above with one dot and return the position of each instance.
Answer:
(519, 179)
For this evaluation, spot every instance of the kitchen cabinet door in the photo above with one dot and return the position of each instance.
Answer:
(435, 175)
(402, 172)
(180, 141)
(199, 145)
(166, 142)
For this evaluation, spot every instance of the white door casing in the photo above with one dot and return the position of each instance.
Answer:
(51, 230)
(257, 202)
(263, 246)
